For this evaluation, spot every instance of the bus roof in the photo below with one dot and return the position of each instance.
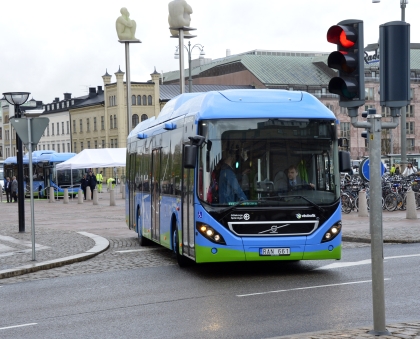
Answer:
(55, 157)
(239, 104)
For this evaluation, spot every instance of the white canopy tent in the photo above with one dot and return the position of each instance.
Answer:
(96, 158)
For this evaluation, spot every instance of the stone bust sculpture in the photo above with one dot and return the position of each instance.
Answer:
(179, 15)
(126, 28)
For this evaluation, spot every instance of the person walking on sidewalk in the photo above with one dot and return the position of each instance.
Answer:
(8, 189)
(99, 179)
(83, 185)
(91, 179)
(14, 189)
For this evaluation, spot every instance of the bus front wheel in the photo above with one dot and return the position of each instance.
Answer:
(182, 261)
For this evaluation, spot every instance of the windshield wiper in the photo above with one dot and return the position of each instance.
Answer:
(319, 208)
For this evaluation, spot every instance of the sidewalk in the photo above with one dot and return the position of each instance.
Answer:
(67, 233)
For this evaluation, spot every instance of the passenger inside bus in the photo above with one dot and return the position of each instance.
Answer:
(229, 188)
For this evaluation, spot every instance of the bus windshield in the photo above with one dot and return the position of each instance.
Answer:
(267, 162)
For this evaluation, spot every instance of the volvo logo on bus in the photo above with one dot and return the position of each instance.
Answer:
(274, 229)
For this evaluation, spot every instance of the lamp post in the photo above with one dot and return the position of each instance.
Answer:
(189, 50)
(16, 99)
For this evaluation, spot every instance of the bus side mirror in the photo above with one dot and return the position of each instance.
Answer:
(190, 156)
(344, 163)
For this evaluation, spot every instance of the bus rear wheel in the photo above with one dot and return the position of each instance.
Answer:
(182, 261)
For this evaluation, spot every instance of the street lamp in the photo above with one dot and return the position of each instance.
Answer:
(16, 99)
(189, 50)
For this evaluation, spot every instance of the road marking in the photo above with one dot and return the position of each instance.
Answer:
(361, 262)
(140, 250)
(6, 328)
(307, 288)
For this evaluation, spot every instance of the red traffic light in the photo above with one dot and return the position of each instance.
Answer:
(342, 35)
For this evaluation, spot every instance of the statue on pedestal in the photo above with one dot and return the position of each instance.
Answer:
(126, 28)
(179, 15)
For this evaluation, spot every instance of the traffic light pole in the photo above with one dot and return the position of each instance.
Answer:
(374, 126)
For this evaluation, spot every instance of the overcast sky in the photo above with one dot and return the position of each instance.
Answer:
(52, 47)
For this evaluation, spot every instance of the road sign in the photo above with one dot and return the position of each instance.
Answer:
(364, 169)
(37, 126)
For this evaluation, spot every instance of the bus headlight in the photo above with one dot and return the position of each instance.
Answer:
(209, 233)
(332, 232)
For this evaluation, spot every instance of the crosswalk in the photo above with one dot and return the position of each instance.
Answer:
(10, 246)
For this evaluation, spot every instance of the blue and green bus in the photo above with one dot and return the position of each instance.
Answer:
(244, 142)
(45, 174)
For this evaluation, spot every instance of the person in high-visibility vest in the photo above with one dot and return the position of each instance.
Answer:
(110, 183)
(99, 179)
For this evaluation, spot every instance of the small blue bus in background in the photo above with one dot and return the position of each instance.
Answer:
(45, 174)
(177, 165)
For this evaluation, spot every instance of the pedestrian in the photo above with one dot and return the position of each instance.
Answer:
(91, 179)
(397, 170)
(8, 189)
(110, 183)
(409, 170)
(99, 179)
(83, 185)
(14, 189)
(392, 170)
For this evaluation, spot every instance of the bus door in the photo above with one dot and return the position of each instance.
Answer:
(155, 193)
(188, 243)
(132, 190)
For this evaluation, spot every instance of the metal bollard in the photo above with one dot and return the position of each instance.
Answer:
(95, 196)
(123, 191)
(80, 197)
(51, 198)
(363, 211)
(88, 194)
(66, 196)
(112, 198)
(410, 212)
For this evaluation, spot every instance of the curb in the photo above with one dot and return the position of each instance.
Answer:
(101, 245)
(385, 241)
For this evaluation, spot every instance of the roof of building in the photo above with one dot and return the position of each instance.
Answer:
(168, 92)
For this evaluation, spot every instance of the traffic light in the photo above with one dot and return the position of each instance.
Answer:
(348, 60)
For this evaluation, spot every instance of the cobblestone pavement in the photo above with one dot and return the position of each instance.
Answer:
(57, 224)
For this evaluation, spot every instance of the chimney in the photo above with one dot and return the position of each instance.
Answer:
(92, 92)
(67, 96)
(57, 100)
(100, 89)
(228, 52)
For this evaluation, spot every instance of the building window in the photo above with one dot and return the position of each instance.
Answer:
(52, 129)
(63, 147)
(81, 146)
(149, 100)
(88, 144)
(409, 111)
(139, 100)
(62, 128)
(410, 127)
(74, 126)
(94, 123)
(369, 93)
(1, 133)
(48, 130)
(96, 144)
(68, 126)
(103, 143)
(58, 128)
(87, 125)
(53, 147)
(330, 107)
(115, 121)
(110, 122)
(411, 93)
(410, 144)
(75, 147)
(102, 123)
(81, 125)
(115, 143)
(43, 147)
(58, 148)
(144, 117)
(112, 143)
(135, 120)
(68, 147)
(144, 100)
(345, 130)
(133, 99)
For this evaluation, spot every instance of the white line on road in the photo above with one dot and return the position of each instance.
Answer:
(361, 262)
(140, 250)
(307, 288)
(6, 328)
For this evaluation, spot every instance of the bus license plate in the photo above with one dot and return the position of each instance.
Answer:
(274, 251)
